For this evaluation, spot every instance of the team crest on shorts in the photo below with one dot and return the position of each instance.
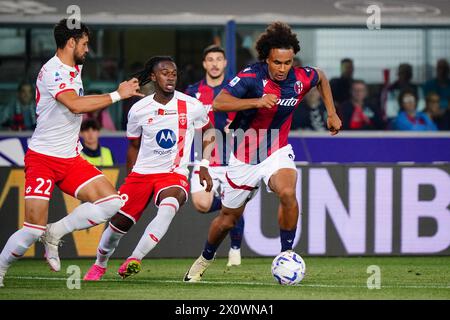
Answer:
(298, 87)
(182, 118)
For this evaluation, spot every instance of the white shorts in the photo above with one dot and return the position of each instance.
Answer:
(217, 174)
(243, 180)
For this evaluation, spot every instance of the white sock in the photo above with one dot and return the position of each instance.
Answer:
(108, 244)
(87, 215)
(19, 243)
(157, 227)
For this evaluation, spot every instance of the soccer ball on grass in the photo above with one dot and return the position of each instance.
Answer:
(288, 268)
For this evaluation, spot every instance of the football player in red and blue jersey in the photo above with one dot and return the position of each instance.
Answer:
(215, 63)
(264, 95)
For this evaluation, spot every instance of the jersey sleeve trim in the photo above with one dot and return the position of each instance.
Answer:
(246, 75)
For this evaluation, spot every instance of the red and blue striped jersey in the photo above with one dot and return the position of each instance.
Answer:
(219, 119)
(270, 126)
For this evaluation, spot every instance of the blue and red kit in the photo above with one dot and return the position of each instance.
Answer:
(260, 132)
(219, 119)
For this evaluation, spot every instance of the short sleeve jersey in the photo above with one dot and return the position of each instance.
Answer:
(265, 130)
(219, 119)
(57, 128)
(166, 132)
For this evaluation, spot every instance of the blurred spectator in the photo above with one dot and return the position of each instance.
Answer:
(440, 84)
(357, 114)
(403, 82)
(110, 70)
(244, 56)
(92, 150)
(103, 117)
(444, 120)
(341, 87)
(310, 114)
(20, 114)
(432, 108)
(409, 118)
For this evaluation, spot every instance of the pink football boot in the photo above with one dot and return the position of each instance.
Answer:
(129, 267)
(95, 273)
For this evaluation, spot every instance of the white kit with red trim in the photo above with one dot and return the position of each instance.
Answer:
(57, 128)
(167, 132)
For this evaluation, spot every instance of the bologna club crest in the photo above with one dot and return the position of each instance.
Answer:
(298, 87)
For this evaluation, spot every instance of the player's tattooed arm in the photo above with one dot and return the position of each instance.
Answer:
(333, 122)
(226, 102)
(132, 153)
(84, 104)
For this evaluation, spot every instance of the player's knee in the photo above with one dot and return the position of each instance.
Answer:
(201, 204)
(287, 196)
(109, 206)
(202, 207)
(228, 221)
(121, 222)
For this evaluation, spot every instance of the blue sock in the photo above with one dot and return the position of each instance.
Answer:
(209, 251)
(216, 204)
(287, 239)
(236, 233)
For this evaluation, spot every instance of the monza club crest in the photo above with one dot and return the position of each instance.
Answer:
(182, 119)
(298, 87)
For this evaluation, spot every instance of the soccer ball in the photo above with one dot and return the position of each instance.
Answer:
(288, 268)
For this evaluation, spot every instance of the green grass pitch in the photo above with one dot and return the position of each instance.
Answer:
(326, 278)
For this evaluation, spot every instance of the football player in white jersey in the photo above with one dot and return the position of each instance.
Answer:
(161, 129)
(53, 157)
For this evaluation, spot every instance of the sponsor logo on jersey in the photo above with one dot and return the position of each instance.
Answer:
(182, 118)
(234, 81)
(58, 77)
(166, 138)
(298, 87)
(162, 112)
(291, 102)
(62, 85)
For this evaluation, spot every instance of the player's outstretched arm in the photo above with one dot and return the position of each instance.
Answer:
(333, 122)
(226, 102)
(83, 104)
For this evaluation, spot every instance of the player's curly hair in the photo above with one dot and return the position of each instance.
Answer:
(144, 75)
(278, 35)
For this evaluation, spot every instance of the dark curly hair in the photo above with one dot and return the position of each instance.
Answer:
(144, 75)
(278, 35)
(63, 32)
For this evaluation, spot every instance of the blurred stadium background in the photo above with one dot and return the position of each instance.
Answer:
(366, 192)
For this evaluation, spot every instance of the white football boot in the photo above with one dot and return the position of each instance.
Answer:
(198, 268)
(51, 245)
(234, 257)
